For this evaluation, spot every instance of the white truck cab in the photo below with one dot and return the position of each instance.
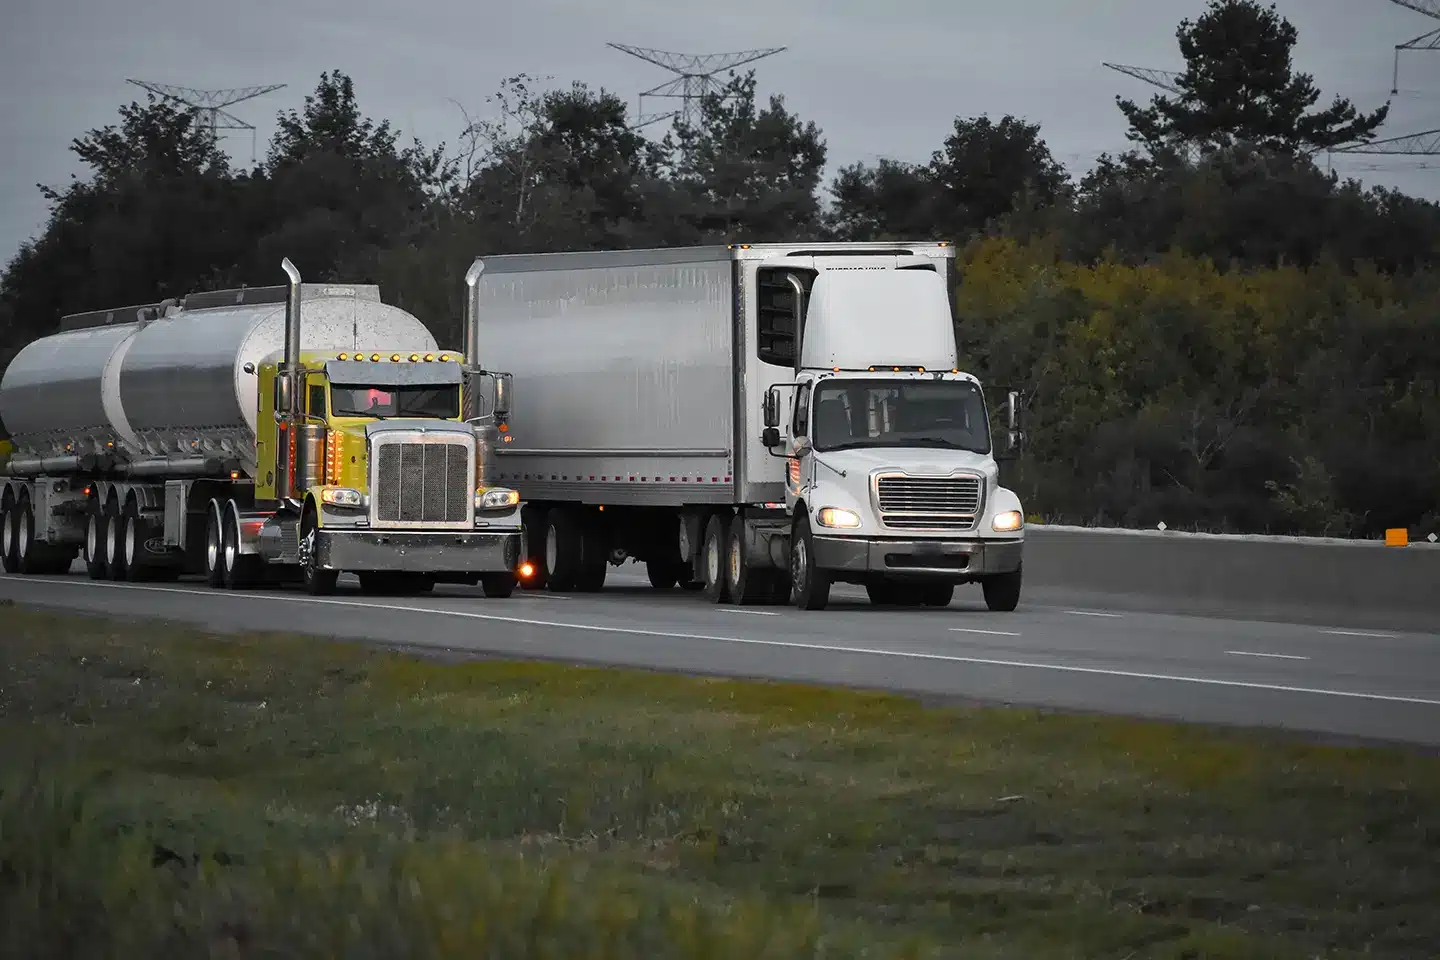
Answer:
(892, 478)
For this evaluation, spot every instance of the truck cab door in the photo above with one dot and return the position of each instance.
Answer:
(797, 465)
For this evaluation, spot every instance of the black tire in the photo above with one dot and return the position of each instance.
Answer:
(564, 551)
(535, 522)
(663, 574)
(9, 535)
(594, 556)
(9, 528)
(132, 544)
(1002, 591)
(317, 582)
(241, 571)
(712, 554)
(214, 559)
(498, 586)
(29, 559)
(114, 527)
(95, 566)
(746, 585)
(810, 587)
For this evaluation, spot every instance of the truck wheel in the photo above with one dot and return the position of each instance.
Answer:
(1002, 591)
(25, 553)
(9, 529)
(594, 559)
(498, 586)
(746, 585)
(810, 588)
(95, 567)
(214, 546)
(564, 551)
(240, 570)
(114, 556)
(132, 541)
(535, 523)
(717, 586)
(318, 582)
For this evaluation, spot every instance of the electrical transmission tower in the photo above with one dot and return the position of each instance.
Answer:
(209, 105)
(1164, 79)
(695, 77)
(1426, 41)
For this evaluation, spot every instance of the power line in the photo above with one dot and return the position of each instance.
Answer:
(208, 106)
(695, 77)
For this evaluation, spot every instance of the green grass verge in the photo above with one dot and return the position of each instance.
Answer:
(174, 794)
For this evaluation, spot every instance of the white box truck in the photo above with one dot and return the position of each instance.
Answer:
(757, 421)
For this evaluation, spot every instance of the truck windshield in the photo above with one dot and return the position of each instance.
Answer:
(442, 401)
(945, 414)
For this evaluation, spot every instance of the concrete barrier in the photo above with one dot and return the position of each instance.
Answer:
(1356, 583)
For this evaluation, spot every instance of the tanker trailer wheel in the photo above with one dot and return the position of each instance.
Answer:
(114, 555)
(9, 534)
(214, 546)
(318, 582)
(132, 544)
(95, 567)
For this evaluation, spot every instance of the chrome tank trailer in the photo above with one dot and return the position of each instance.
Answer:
(159, 387)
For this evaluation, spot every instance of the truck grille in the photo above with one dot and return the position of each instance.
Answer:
(422, 483)
(914, 503)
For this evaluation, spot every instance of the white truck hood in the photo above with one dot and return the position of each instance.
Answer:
(913, 460)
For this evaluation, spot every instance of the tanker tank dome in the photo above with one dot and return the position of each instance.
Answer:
(183, 382)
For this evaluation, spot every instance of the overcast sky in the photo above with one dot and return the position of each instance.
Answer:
(879, 79)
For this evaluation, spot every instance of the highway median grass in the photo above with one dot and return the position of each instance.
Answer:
(173, 793)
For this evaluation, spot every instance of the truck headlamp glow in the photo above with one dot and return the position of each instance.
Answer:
(838, 517)
(496, 498)
(1007, 521)
(341, 497)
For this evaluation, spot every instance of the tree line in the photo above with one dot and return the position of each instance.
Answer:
(1214, 332)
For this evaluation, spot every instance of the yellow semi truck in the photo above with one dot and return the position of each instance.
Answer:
(258, 435)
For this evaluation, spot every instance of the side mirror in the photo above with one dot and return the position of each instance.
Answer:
(503, 382)
(801, 446)
(770, 436)
(1014, 403)
(771, 409)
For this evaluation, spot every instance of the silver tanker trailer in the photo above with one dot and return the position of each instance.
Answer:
(253, 435)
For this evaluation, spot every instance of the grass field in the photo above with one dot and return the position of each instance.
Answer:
(172, 794)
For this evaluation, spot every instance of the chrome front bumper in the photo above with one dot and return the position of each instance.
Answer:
(398, 551)
(958, 559)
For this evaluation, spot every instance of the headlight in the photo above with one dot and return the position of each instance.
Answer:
(1007, 521)
(497, 498)
(342, 497)
(838, 517)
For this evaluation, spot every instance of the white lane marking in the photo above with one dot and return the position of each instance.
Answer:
(993, 633)
(1277, 656)
(750, 641)
(753, 613)
(1360, 633)
(1093, 613)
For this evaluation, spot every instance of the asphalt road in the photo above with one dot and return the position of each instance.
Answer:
(1340, 681)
